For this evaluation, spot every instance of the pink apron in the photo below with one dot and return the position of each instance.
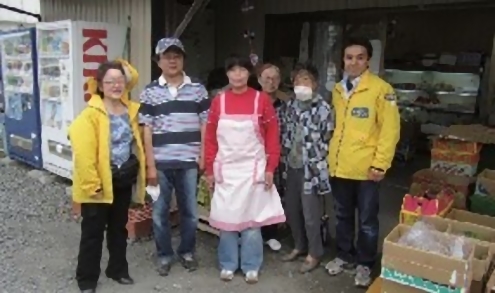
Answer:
(240, 200)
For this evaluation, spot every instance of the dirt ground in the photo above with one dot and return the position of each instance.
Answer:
(39, 252)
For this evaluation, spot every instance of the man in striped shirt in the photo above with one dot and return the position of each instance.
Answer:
(173, 112)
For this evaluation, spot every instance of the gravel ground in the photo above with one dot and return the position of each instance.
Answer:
(39, 243)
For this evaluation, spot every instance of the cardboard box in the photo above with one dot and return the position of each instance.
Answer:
(453, 168)
(393, 287)
(456, 145)
(430, 272)
(490, 285)
(455, 157)
(485, 183)
(482, 204)
(469, 230)
(469, 217)
(415, 206)
(429, 180)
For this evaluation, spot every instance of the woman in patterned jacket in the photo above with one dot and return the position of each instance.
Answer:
(308, 125)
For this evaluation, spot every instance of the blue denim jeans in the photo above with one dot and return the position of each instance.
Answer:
(184, 182)
(251, 250)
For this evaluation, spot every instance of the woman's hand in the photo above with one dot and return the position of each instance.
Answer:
(268, 180)
(210, 181)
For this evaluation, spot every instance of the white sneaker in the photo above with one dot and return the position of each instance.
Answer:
(274, 244)
(226, 275)
(252, 277)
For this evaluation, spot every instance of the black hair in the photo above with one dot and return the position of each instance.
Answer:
(173, 49)
(253, 82)
(217, 79)
(241, 61)
(309, 68)
(102, 71)
(363, 42)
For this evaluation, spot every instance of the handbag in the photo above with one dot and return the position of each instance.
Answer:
(127, 174)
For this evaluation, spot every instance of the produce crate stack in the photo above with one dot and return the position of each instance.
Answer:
(454, 162)
(483, 199)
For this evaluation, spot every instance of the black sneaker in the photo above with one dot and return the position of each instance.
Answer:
(188, 262)
(164, 269)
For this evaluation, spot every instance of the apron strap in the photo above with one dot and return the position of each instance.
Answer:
(222, 103)
(256, 102)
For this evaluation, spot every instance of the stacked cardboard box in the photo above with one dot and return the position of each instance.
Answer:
(483, 199)
(455, 157)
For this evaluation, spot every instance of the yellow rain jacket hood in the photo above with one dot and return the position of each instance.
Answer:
(366, 130)
(89, 134)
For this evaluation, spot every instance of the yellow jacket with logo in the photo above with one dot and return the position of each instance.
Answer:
(89, 134)
(367, 128)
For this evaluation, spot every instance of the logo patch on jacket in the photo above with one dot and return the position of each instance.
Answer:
(360, 112)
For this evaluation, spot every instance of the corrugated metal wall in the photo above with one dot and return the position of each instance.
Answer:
(112, 11)
(295, 6)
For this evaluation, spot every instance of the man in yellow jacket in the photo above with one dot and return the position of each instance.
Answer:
(360, 153)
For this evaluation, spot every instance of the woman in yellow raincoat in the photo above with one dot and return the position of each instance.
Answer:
(109, 161)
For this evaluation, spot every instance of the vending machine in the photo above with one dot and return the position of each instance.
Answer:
(21, 96)
(69, 52)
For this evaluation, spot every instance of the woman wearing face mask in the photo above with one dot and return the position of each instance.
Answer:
(108, 162)
(242, 151)
(269, 79)
(309, 124)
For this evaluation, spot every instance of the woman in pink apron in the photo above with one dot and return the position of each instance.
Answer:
(242, 151)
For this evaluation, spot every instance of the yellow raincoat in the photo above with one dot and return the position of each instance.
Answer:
(366, 130)
(89, 134)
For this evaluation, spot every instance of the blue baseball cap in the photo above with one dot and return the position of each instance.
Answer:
(167, 43)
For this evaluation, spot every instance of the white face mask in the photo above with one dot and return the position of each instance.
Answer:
(303, 93)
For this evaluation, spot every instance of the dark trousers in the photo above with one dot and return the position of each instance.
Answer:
(362, 195)
(95, 218)
(304, 212)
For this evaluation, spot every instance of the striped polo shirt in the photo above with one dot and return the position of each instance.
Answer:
(175, 116)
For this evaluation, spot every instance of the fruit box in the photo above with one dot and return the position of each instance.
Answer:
(414, 206)
(452, 168)
(455, 157)
(427, 179)
(456, 145)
